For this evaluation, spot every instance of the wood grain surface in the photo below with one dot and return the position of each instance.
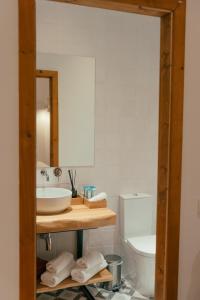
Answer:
(102, 276)
(75, 218)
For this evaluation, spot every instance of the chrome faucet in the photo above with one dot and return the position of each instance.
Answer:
(48, 240)
(44, 173)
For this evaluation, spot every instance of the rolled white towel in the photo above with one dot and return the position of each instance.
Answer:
(53, 279)
(98, 197)
(60, 262)
(83, 275)
(91, 259)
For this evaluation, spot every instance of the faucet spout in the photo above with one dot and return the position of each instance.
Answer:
(48, 240)
(44, 173)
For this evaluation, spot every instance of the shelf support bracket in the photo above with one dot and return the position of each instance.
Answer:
(79, 253)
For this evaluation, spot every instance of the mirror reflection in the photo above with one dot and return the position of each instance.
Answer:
(116, 57)
(65, 110)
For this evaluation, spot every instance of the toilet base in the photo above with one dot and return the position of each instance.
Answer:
(140, 269)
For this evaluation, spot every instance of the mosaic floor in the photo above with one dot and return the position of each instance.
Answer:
(127, 292)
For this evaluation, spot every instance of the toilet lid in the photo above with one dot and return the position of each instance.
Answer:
(144, 245)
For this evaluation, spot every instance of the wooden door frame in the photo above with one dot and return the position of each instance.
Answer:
(53, 91)
(172, 14)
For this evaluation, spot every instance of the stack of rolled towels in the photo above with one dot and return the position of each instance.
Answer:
(64, 265)
(58, 269)
(87, 266)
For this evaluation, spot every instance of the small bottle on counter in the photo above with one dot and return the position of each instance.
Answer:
(89, 191)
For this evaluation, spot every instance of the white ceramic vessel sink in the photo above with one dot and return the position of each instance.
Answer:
(52, 200)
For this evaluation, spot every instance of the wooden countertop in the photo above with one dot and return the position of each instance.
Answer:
(75, 218)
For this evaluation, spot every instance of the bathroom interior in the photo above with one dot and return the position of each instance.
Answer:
(97, 93)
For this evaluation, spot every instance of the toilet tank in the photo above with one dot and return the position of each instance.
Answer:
(136, 215)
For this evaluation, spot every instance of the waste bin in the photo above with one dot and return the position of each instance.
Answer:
(115, 267)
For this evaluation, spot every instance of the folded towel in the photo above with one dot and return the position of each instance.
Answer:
(98, 197)
(83, 275)
(90, 260)
(53, 279)
(60, 262)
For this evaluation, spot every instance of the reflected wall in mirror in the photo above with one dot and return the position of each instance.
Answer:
(65, 125)
(127, 56)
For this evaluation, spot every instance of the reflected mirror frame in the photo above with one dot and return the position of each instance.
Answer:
(53, 91)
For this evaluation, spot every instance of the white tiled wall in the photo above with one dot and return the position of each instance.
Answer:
(126, 49)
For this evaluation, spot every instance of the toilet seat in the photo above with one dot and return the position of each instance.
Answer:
(143, 245)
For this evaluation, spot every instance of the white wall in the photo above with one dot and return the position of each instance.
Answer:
(189, 278)
(126, 50)
(9, 203)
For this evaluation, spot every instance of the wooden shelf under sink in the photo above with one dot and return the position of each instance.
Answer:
(102, 276)
(78, 217)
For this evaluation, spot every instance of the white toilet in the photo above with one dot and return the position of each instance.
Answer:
(136, 231)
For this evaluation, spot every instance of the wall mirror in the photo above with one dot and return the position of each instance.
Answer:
(115, 57)
(172, 30)
(65, 100)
